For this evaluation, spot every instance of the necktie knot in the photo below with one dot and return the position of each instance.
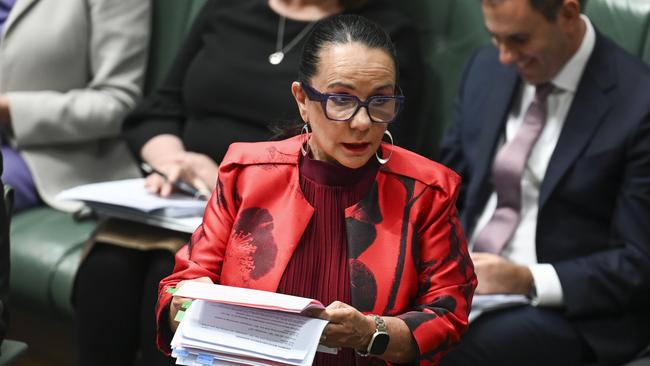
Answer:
(542, 91)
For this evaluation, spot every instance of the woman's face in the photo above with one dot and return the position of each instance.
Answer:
(352, 69)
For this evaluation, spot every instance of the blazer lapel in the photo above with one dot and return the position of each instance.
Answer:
(498, 105)
(589, 106)
(293, 215)
(19, 9)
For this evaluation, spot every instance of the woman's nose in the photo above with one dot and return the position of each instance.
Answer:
(361, 120)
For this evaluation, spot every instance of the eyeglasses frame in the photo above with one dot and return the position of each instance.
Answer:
(316, 96)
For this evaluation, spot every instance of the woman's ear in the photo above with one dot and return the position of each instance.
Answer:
(301, 99)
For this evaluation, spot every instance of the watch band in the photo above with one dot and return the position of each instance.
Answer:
(380, 337)
(380, 324)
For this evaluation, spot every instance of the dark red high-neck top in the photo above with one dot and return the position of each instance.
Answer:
(319, 267)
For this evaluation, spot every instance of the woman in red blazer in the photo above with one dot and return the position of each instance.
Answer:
(335, 214)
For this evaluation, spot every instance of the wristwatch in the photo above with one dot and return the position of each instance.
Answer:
(379, 341)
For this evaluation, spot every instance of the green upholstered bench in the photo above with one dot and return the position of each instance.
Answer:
(625, 21)
(45, 253)
(45, 243)
(451, 30)
(10, 350)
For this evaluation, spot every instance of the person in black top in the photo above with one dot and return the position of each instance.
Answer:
(224, 88)
(230, 82)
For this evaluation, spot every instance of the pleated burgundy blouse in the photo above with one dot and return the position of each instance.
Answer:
(319, 267)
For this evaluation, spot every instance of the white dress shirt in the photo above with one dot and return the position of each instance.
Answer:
(521, 248)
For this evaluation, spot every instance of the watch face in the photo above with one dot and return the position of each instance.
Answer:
(379, 343)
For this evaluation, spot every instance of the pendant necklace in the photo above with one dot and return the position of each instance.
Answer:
(276, 57)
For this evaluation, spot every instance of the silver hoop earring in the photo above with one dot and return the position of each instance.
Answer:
(305, 131)
(383, 161)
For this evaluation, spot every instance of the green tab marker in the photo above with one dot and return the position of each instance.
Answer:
(179, 316)
(186, 305)
(171, 290)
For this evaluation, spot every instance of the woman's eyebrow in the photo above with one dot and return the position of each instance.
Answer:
(341, 84)
(352, 87)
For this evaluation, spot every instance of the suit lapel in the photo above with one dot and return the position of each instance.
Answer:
(19, 9)
(495, 116)
(589, 107)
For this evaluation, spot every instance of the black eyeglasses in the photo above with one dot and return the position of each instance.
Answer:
(343, 107)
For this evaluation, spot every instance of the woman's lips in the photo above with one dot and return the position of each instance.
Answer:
(356, 147)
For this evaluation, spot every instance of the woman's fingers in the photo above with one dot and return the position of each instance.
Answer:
(153, 183)
(173, 172)
(177, 301)
(348, 327)
(201, 186)
(198, 170)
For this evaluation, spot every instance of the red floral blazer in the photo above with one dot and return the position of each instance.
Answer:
(408, 254)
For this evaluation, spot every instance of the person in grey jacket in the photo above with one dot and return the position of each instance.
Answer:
(70, 70)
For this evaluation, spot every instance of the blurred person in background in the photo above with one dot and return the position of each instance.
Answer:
(70, 70)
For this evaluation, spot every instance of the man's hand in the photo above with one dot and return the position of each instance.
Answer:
(497, 275)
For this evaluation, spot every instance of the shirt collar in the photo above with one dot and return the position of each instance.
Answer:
(569, 76)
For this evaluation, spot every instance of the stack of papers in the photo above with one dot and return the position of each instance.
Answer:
(235, 326)
(128, 199)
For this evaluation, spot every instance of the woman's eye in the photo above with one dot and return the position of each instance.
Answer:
(341, 100)
(378, 102)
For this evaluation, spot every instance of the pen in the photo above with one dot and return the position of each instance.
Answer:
(178, 184)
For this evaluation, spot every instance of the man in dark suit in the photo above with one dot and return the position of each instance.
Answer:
(562, 214)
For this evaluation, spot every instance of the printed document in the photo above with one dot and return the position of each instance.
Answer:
(128, 199)
(236, 326)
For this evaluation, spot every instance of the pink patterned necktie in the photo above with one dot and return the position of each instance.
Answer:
(507, 170)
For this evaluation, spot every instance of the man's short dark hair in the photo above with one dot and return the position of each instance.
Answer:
(548, 8)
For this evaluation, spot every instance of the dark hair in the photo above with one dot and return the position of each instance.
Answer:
(548, 8)
(342, 29)
(352, 4)
(337, 29)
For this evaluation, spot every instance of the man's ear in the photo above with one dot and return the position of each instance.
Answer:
(301, 99)
(570, 10)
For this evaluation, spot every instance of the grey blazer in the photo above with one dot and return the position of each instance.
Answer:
(72, 69)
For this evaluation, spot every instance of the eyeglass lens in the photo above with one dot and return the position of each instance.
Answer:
(380, 109)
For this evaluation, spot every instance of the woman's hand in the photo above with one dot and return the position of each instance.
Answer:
(348, 327)
(177, 302)
(199, 170)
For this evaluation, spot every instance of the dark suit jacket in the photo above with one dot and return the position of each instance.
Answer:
(593, 224)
